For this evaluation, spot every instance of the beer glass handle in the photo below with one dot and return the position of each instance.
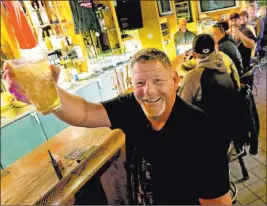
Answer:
(34, 114)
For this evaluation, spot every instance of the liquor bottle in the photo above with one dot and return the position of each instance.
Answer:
(64, 43)
(55, 166)
(69, 40)
(38, 13)
(57, 60)
(52, 38)
(34, 17)
(47, 41)
(55, 40)
(43, 13)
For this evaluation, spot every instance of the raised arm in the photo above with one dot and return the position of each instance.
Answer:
(74, 109)
(78, 112)
(248, 42)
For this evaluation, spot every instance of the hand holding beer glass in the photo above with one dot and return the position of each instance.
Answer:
(31, 80)
(235, 32)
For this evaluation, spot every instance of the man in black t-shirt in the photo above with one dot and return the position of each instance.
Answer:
(245, 39)
(170, 156)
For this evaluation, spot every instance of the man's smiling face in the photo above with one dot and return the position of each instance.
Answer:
(154, 87)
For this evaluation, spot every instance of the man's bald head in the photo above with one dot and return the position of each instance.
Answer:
(182, 24)
(182, 20)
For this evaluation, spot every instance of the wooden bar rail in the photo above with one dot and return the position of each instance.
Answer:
(32, 179)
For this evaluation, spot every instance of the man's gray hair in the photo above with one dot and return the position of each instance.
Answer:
(151, 54)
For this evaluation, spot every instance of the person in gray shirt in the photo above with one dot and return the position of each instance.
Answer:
(257, 23)
(183, 36)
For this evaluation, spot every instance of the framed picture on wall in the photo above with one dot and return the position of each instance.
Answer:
(183, 10)
(212, 5)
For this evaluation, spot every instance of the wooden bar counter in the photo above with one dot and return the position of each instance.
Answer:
(32, 179)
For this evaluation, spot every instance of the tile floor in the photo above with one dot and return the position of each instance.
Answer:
(253, 191)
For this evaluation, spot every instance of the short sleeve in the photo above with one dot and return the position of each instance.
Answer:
(250, 35)
(121, 111)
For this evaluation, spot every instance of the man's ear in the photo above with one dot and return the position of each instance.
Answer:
(175, 79)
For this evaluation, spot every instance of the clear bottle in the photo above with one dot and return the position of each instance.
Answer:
(57, 59)
(38, 14)
(34, 17)
(54, 18)
(43, 13)
(55, 40)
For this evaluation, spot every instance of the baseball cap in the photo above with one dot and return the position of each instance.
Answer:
(203, 44)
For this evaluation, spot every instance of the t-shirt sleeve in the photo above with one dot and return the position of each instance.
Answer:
(213, 170)
(250, 35)
(120, 110)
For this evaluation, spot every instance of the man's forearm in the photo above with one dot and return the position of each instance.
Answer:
(249, 43)
(78, 112)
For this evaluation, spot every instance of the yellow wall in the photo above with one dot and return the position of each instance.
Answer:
(194, 10)
(150, 35)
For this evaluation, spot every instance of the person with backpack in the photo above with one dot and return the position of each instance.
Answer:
(211, 88)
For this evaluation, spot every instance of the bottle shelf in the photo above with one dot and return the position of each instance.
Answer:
(127, 38)
(111, 29)
(53, 24)
(53, 50)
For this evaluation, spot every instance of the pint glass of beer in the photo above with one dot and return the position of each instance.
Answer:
(35, 78)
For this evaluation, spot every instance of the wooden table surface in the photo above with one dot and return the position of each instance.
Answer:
(32, 179)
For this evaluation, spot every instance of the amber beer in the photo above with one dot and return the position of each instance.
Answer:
(35, 78)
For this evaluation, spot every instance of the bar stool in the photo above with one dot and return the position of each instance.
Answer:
(233, 186)
(233, 191)
(239, 156)
(260, 61)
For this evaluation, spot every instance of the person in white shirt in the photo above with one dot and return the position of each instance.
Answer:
(257, 23)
